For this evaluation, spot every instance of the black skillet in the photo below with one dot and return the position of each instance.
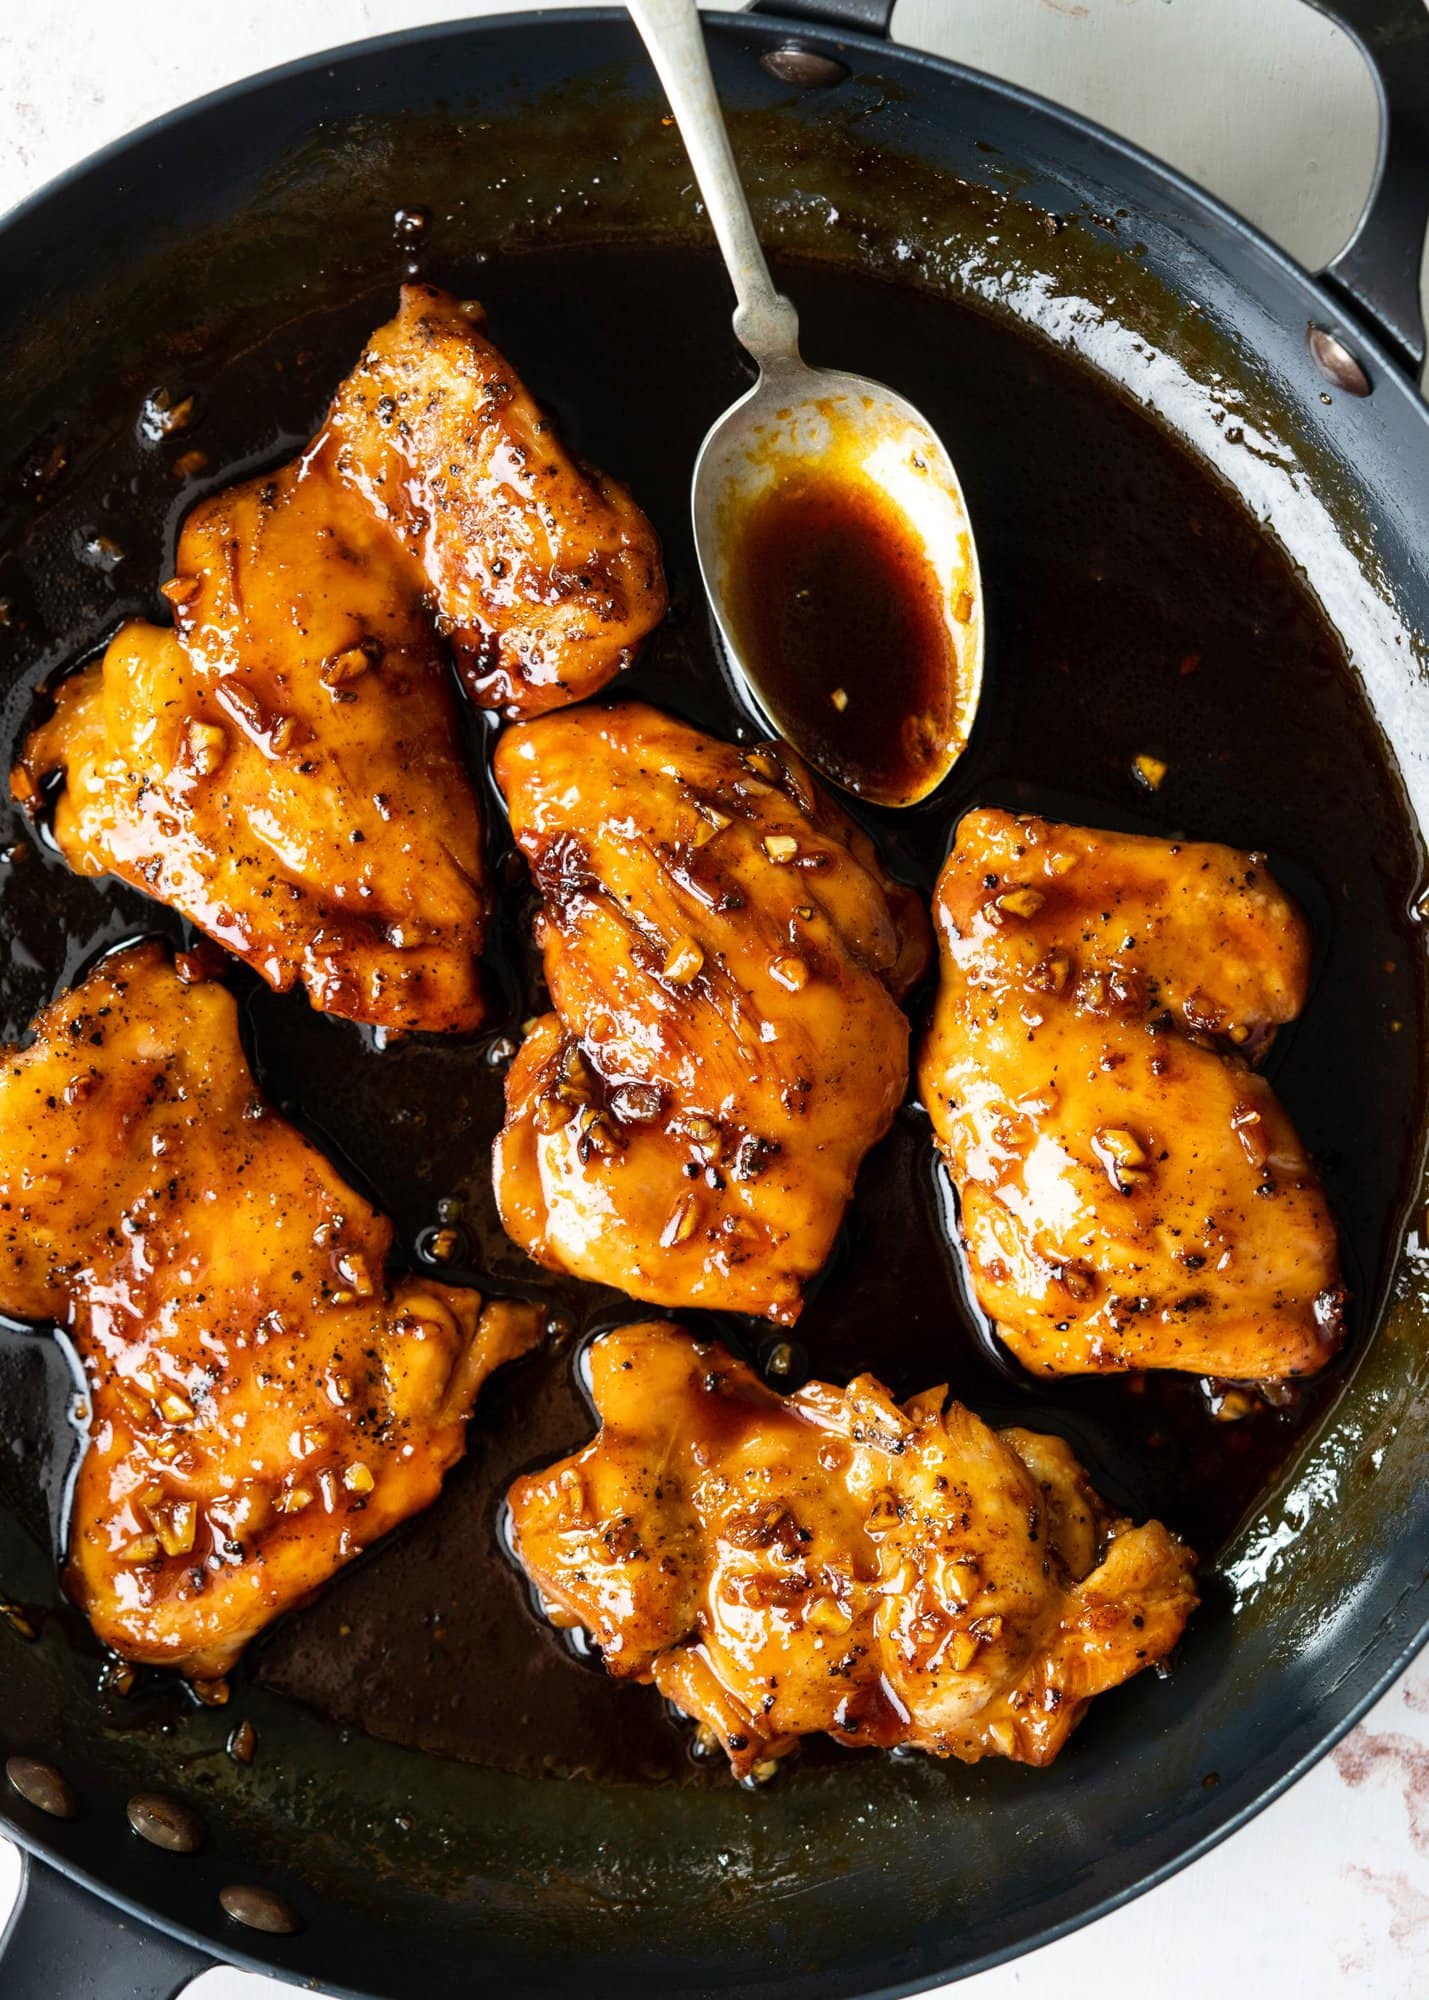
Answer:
(1114, 359)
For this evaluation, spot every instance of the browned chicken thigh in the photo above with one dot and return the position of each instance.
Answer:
(263, 1404)
(545, 573)
(284, 766)
(1132, 1194)
(833, 1561)
(725, 957)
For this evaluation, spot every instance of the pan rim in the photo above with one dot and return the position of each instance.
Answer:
(770, 27)
(1389, 377)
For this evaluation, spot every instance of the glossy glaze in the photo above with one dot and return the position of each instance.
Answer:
(1132, 1194)
(893, 1575)
(544, 572)
(283, 766)
(725, 957)
(262, 1406)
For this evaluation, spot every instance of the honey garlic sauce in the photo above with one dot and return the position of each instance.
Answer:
(843, 625)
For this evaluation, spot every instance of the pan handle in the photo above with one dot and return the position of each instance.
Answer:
(1378, 269)
(62, 1943)
(868, 17)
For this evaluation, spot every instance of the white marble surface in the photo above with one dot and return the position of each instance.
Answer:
(1328, 1891)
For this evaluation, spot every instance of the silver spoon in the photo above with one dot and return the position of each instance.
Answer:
(832, 534)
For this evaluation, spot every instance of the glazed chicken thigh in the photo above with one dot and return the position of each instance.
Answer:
(833, 1561)
(1132, 1194)
(262, 1405)
(543, 572)
(283, 767)
(725, 958)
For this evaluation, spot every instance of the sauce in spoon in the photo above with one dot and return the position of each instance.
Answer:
(842, 623)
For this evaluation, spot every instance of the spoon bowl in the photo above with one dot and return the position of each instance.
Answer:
(839, 561)
(833, 536)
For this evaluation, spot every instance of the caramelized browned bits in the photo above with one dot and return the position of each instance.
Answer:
(18, 1619)
(683, 961)
(1021, 902)
(243, 1743)
(205, 747)
(637, 1103)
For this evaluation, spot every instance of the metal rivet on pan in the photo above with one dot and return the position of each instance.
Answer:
(1334, 359)
(42, 1787)
(259, 1909)
(165, 1822)
(805, 69)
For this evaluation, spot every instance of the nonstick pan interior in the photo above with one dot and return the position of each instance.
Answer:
(262, 231)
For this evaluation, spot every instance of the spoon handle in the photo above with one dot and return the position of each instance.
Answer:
(765, 322)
